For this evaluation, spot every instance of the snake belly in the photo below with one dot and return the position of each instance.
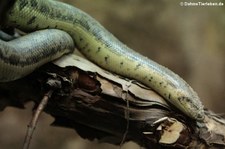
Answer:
(21, 56)
(102, 48)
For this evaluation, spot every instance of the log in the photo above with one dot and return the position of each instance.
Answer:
(113, 109)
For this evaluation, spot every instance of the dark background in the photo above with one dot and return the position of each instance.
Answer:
(188, 40)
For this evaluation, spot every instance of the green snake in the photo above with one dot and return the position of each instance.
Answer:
(17, 56)
(102, 48)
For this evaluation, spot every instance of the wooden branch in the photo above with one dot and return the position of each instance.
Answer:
(98, 104)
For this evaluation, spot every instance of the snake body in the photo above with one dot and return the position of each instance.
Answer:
(17, 56)
(101, 47)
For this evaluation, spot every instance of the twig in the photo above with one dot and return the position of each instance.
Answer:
(127, 113)
(33, 123)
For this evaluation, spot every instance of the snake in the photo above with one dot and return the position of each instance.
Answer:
(101, 47)
(17, 56)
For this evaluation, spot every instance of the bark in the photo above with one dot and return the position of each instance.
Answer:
(113, 109)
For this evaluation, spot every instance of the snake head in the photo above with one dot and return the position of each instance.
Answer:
(192, 107)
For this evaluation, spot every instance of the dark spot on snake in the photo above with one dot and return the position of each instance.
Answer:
(121, 64)
(150, 80)
(179, 98)
(22, 4)
(184, 99)
(33, 3)
(106, 59)
(99, 49)
(85, 46)
(187, 99)
(56, 26)
(36, 27)
(137, 66)
(108, 45)
(81, 39)
(32, 20)
(169, 96)
(1, 54)
(44, 9)
(14, 59)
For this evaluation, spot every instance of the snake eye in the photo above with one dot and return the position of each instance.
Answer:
(200, 116)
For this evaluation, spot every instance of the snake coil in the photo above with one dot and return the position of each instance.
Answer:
(101, 47)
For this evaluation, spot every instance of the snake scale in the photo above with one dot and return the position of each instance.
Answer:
(102, 48)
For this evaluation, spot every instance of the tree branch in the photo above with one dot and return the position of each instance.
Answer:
(98, 104)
